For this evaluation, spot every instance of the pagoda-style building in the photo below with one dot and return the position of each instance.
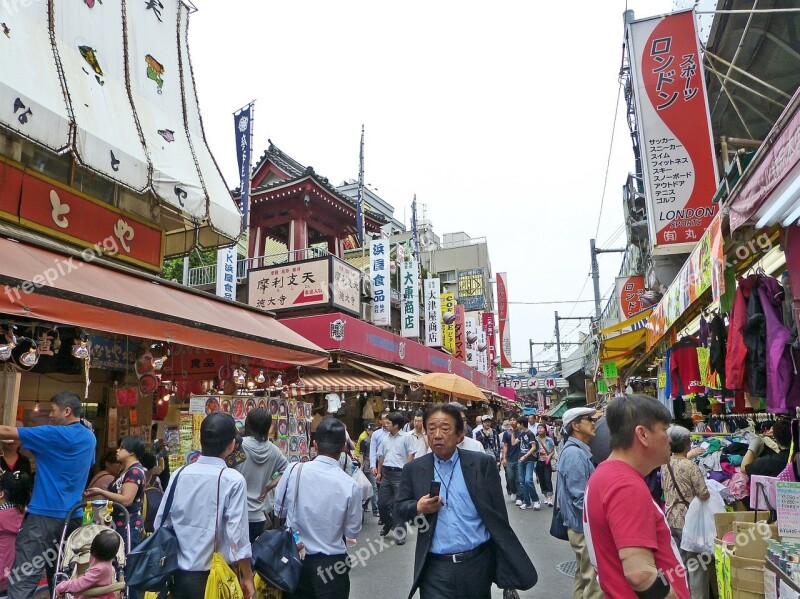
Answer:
(294, 206)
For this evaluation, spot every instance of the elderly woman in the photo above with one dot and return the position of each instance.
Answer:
(682, 481)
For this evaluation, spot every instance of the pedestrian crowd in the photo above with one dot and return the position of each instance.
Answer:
(433, 475)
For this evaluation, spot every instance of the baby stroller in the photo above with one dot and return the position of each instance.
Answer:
(73, 551)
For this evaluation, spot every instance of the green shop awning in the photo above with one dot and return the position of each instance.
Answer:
(558, 410)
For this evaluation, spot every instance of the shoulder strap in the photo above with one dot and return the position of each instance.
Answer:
(216, 520)
(675, 482)
(297, 487)
(171, 494)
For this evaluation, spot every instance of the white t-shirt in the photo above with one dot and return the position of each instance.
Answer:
(334, 402)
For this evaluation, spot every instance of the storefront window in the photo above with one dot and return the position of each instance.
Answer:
(94, 186)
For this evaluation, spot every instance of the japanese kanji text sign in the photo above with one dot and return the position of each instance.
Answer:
(461, 334)
(346, 287)
(504, 320)
(433, 312)
(674, 130)
(379, 272)
(226, 272)
(291, 286)
(409, 298)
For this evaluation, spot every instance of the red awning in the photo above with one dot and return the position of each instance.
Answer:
(329, 382)
(43, 285)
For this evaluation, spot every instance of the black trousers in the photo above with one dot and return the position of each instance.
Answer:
(188, 585)
(471, 579)
(323, 577)
(387, 495)
(36, 550)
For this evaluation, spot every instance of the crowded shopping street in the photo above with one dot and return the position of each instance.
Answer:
(296, 302)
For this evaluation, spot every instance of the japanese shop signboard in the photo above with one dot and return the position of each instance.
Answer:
(346, 287)
(483, 360)
(433, 312)
(472, 341)
(409, 302)
(503, 319)
(629, 295)
(449, 322)
(461, 334)
(291, 286)
(226, 272)
(379, 272)
(675, 141)
(60, 212)
(491, 349)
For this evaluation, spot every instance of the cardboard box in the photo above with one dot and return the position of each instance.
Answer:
(724, 520)
(747, 574)
(751, 539)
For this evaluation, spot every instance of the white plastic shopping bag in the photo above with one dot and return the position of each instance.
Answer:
(699, 529)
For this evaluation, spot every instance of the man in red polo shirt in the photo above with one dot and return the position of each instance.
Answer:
(629, 541)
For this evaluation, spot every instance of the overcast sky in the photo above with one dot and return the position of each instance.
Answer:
(498, 116)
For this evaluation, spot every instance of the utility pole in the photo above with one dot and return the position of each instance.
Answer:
(596, 276)
(558, 331)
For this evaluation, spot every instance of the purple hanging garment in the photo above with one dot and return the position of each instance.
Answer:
(783, 374)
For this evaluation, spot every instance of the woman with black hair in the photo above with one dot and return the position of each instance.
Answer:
(15, 495)
(128, 488)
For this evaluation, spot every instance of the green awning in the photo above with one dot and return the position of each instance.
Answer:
(558, 410)
(576, 397)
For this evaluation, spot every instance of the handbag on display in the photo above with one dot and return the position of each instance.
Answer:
(276, 558)
(152, 563)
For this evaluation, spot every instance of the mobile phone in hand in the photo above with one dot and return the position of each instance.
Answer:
(436, 488)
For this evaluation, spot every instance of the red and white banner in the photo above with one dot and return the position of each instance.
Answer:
(505, 325)
(674, 130)
(629, 295)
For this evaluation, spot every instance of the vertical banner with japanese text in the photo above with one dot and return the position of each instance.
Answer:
(226, 273)
(483, 362)
(503, 318)
(680, 172)
(449, 322)
(243, 123)
(461, 334)
(409, 304)
(472, 340)
(433, 313)
(379, 261)
(491, 348)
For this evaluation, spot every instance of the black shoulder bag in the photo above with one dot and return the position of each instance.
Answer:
(275, 555)
(152, 563)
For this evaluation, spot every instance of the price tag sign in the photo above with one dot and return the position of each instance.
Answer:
(610, 370)
(197, 405)
(602, 386)
(662, 380)
(788, 496)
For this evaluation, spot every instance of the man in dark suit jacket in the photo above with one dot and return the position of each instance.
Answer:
(464, 540)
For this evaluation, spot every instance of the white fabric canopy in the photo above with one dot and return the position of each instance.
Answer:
(131, 112)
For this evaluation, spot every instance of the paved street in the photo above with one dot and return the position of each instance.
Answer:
(388, 573)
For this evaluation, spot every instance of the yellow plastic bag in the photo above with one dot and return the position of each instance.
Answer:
(264, 591)
(222, 581)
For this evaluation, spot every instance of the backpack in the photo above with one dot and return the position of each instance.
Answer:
(151, 501)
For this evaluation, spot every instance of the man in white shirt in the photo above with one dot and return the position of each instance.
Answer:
(322, 525)
(375, 441)
(195, 510)
(418, 433)
(394, 451)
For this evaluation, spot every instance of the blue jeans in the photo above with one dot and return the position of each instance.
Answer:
(374, 498)
(526, 485)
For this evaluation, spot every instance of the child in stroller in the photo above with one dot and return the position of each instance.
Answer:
(100, 576)
(92, 560)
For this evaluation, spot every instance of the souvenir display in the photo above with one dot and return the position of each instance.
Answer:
(274, 406)
(212, 405)
(283, 408)
(292, 425)
(262, 403)
(283, 427)
(249, 405)
(293, 445)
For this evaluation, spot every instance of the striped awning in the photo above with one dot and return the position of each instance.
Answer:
(329, 382)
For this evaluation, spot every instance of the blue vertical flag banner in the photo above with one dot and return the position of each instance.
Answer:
(360, 198)
(379, 269)
(243, 123)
